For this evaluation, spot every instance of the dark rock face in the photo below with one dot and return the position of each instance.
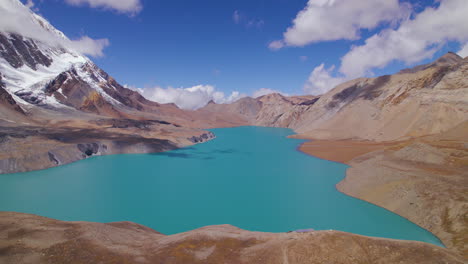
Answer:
(347, 94)
(30, 98)
(367, 91)
(88, 149)
(18, 51)
(372, 91)
(72, 86)
(53, 159)
(111, 87)
(130, 123)
(202, 138)
(310, 102)
(7, 99)
(58, 82)
(437, 76)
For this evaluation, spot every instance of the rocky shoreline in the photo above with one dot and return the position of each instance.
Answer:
(28, 238)
(58, 146)
(58, 107)
(423, 180)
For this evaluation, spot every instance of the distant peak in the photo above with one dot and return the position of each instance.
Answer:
(272, 95)
(449, 57)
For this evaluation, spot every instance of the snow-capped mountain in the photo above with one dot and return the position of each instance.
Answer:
(53, 75)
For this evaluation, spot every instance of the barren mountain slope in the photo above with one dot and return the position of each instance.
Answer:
(425, 100)
(32, 239)
(424, 180)
(404, 135)
(57, 106)
(404, 105)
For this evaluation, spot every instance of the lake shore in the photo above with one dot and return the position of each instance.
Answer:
(367, 159)
(423, 180)
(35, 239)
(32, 148)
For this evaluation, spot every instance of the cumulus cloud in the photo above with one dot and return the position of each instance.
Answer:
(122, 6)
(265, 91)
(321, 80)
(89, 46)
(197, 96)
(413, 40)
(276, 45)
(463, 52)
(190, 98)
(18, 18)
(327, 20)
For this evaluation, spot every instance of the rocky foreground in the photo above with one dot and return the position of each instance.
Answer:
(27, 238)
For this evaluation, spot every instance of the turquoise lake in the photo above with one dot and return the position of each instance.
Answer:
(250, 177)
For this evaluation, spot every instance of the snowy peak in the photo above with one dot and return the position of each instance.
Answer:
(18, 51)
(47, 26)
(29, 65)
(17, 18)
(49, 73)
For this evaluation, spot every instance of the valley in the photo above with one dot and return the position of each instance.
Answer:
(404, 137)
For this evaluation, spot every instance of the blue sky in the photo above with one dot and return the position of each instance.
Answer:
(210, 42)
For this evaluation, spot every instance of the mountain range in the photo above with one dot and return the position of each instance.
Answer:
(410, 128)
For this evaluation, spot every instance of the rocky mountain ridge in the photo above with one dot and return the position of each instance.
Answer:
(49, 91)
(406, 136)
(57, 106)
(427, 99)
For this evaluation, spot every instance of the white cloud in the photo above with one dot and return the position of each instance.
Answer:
(276, 45)
(190, 98)
(19, 19)
(195, 97)
(265, 91)
(327, 20)
(122, 6)
(89, 46)
(463, 52)
(321, 81)
(413, 41)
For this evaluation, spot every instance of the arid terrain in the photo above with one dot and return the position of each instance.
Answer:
(422, 179)
(32, 239)
(405, 137)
